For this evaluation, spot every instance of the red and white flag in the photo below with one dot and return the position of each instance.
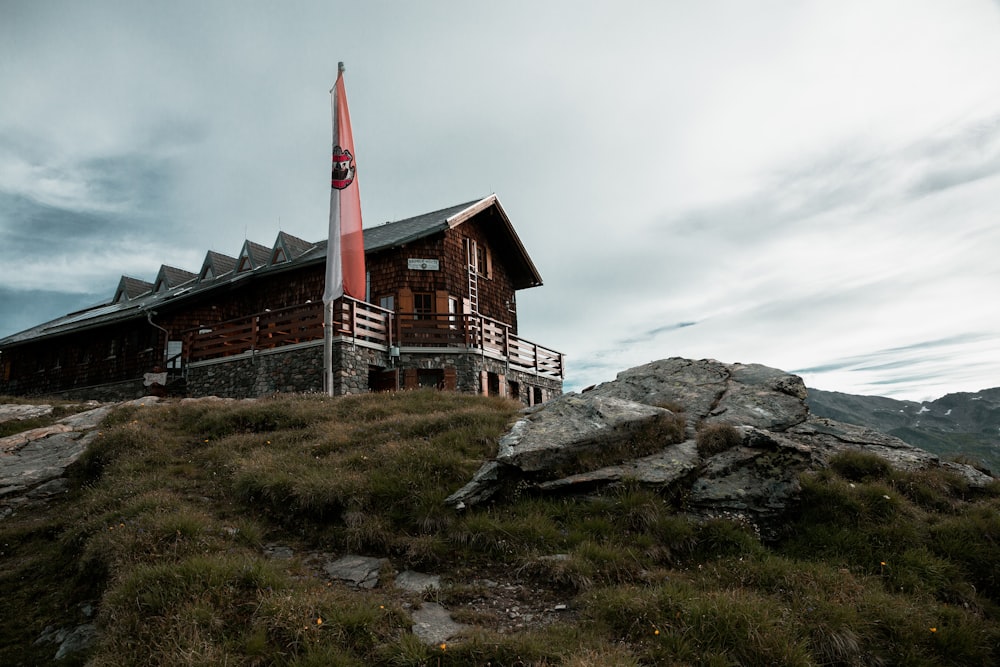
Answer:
(345, 250)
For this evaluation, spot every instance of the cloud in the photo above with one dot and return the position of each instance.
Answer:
(24, 309)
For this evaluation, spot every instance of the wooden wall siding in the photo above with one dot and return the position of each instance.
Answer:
(250, 295)
(120, 352)
(389, 273)
(496, 293)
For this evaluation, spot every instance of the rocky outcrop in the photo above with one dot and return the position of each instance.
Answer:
(33, 462)
(771, 441)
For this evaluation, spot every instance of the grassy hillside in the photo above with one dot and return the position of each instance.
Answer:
(176, 507)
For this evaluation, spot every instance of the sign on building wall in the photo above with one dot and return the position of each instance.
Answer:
(423, 264)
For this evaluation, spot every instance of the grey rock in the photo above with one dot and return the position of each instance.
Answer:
(83, 421)
(756, 480)
(568, 428)
(33, 462)
(81, 638)
(19, 412)
(358, 571)
(12, 443)
(484, 485)
(663, 468)
(276, 551)
(714, 391)
(40, 461)
(433, 625)
(53, 487)
(418, 582)
(570, 424)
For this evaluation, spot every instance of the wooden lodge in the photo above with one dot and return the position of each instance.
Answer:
(441, 312)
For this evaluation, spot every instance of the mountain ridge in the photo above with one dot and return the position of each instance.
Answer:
(957, 424)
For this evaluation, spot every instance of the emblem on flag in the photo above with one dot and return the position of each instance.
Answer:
(343, 168)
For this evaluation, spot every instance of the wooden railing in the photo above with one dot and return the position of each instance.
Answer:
(477, 332)
(287, 326)
(370, 323)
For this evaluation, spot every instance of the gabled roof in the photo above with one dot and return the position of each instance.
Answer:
(287, 248)
(252, 256)
(401, 232)
(215, 266)
(488, 210)
(129, 288)
(170, 277)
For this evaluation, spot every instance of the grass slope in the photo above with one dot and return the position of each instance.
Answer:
(166, 528)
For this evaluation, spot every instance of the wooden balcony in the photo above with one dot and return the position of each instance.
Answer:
(369, 323)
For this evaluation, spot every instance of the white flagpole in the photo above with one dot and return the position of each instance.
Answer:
(328, 348)
(328, 302)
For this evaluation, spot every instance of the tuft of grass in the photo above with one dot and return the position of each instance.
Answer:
(858, 466)
(717, 437)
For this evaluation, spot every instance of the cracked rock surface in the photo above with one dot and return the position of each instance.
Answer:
(756, 477)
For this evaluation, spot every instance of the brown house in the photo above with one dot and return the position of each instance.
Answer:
(441, 311)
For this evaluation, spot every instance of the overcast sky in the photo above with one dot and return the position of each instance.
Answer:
(813, 186)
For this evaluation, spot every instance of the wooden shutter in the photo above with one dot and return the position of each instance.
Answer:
(450, 378)
(410, 378)
(441, 303)
(405, 300)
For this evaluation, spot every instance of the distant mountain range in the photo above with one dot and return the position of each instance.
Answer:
(956, 424)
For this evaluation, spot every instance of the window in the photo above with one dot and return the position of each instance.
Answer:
(492, 384)
(174, 350)
(388, 302)
(430, 378)
(484, 262)
(423, 305)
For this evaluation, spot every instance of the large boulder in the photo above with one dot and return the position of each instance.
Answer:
(644, 427)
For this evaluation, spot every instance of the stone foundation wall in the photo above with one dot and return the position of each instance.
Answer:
(470, 366)
(300, 369)
(351, 362)
(281, 370)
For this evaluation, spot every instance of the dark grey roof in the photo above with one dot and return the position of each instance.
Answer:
(377, 238)
(132, 287)
(293, 244)
(221, 264)
(257, 254)
(171, 276)
(392, 234)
